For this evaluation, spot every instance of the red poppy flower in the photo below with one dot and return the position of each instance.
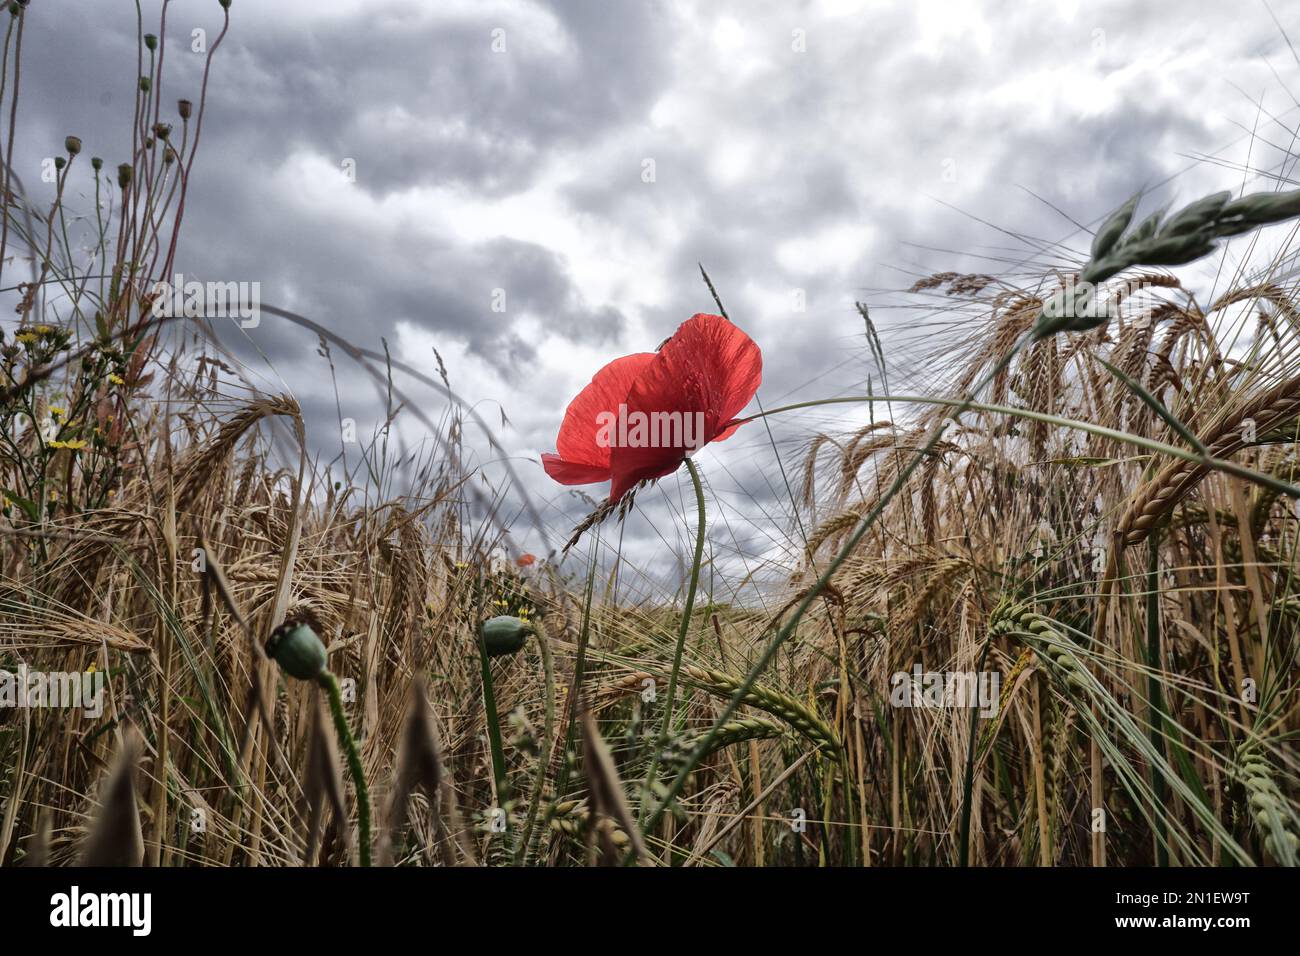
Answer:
(643, 414)
(526, 560)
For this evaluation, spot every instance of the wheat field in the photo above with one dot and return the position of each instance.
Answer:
(1090, 526)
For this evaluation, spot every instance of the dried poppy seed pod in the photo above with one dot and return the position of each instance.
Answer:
(296, 648)
(151, 41)
(162, 130)
(124, 172)
(505, 635)
(186, 108)
(72, 144)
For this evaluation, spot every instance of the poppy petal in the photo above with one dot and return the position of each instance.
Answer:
(573, 472)
(729, 430)
(641, 464)
(708, 366)
(577, 442)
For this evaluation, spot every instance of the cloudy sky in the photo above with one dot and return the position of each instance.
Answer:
(583, 156)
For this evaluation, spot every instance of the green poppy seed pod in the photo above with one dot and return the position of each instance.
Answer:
(124, 172)
(145, 84)
(186, 108)
(1113, 228)
(96, 163)
(505, 635)
(296, 648)
(225, 4)
(151, 41)
(72, 144)
(59, 162)
(15, 8)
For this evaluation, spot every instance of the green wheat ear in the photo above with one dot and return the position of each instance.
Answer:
(1187, 235)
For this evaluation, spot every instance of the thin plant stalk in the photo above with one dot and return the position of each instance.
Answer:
(548, 741)
(682, 631)
(330, 684)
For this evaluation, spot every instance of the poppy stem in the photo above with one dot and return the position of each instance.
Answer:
(548, 743)
(682, 631)
(330, 684)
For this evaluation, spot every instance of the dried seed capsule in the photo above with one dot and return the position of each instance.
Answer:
(72, 144)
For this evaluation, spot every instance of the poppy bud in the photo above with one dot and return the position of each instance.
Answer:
(145, 84)
(296, 648)
(124, 172)
(96, 163)
(72, 144)
(505, 635)
(151, 41)
(186, 108)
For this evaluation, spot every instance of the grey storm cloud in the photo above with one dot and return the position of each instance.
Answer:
(826, 148)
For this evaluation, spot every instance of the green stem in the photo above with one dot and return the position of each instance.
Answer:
(493, 725)
(548, 743)
(330, 684)
(682, 630)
